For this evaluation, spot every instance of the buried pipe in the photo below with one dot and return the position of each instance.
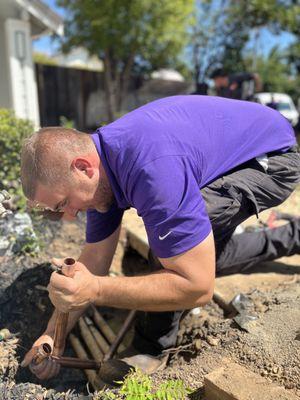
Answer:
(99, 338)
(103, 326)
(90, 340)
(125, 327)
(81, 353)
(78, 363)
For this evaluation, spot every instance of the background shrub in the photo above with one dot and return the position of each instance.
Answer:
(12, 132)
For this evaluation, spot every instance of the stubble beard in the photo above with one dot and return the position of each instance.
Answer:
(104, 197)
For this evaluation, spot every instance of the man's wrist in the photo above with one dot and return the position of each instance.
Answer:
(98, 293)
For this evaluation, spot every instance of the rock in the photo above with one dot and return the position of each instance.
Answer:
(212, 341)
(17, 235)
(198, 344)
(234, 382)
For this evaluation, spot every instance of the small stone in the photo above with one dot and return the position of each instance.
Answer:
(275, 369)
(196, 311)
(4, 334)
(289, 385)
(212, 341)
(198, 344)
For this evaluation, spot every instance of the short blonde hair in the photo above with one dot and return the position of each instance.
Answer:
(47, 155)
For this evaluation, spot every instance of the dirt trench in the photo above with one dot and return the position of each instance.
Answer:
(270, 347)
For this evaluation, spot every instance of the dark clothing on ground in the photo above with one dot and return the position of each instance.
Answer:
(230, 200)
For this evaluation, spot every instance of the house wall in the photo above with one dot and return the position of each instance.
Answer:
(5, 94)
(21, 78)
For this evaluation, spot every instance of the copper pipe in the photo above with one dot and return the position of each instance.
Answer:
(60, 332)
(120, 336)
(103, 326)
(89, 340)
(72, 362)
(81, 353)
(100, 339)
(61, 321)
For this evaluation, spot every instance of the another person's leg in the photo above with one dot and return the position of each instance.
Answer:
(230, 200)
(244, 250)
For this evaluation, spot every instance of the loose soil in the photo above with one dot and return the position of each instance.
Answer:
(270, 346)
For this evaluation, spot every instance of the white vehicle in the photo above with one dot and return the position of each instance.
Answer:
(281, 102)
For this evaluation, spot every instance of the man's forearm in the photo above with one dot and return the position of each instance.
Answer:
(161, 291)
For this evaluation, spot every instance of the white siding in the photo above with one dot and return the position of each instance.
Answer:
(21, 73)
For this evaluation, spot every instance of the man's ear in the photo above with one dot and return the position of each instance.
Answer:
(83, 165)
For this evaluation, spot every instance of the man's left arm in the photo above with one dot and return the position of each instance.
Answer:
(186, 281)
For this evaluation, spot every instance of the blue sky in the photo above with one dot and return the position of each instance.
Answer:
(264, 44)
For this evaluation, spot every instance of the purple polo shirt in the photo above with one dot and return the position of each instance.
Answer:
(158, 156)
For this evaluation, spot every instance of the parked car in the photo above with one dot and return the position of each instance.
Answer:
(281, 102)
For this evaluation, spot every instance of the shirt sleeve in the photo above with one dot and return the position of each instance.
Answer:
(168, 198)
(101, 225)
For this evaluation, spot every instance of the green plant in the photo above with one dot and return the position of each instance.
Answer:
(26, 244)
(12, 132)
(138, 386)
(65, 122)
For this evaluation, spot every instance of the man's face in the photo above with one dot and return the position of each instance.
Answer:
(80, 193)
(68, 199)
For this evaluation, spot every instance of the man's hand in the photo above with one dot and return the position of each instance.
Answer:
(48, 367)
(75, 289)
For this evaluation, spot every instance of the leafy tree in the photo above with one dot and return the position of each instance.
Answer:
(274, 72)
(276, 14)
(223, 28)
(217, 38)
(127, 35)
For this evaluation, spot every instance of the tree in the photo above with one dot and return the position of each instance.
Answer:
(127, 35)
(217, 38)
(274, 72)
(223, 29)
(278, 15)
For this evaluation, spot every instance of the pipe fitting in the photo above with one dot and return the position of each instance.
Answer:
(43, 352)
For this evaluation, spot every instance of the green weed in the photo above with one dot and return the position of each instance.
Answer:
(138, 386)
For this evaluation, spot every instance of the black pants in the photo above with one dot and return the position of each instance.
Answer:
(230, 200)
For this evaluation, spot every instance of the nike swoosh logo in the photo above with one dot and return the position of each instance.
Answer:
(163, 237)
